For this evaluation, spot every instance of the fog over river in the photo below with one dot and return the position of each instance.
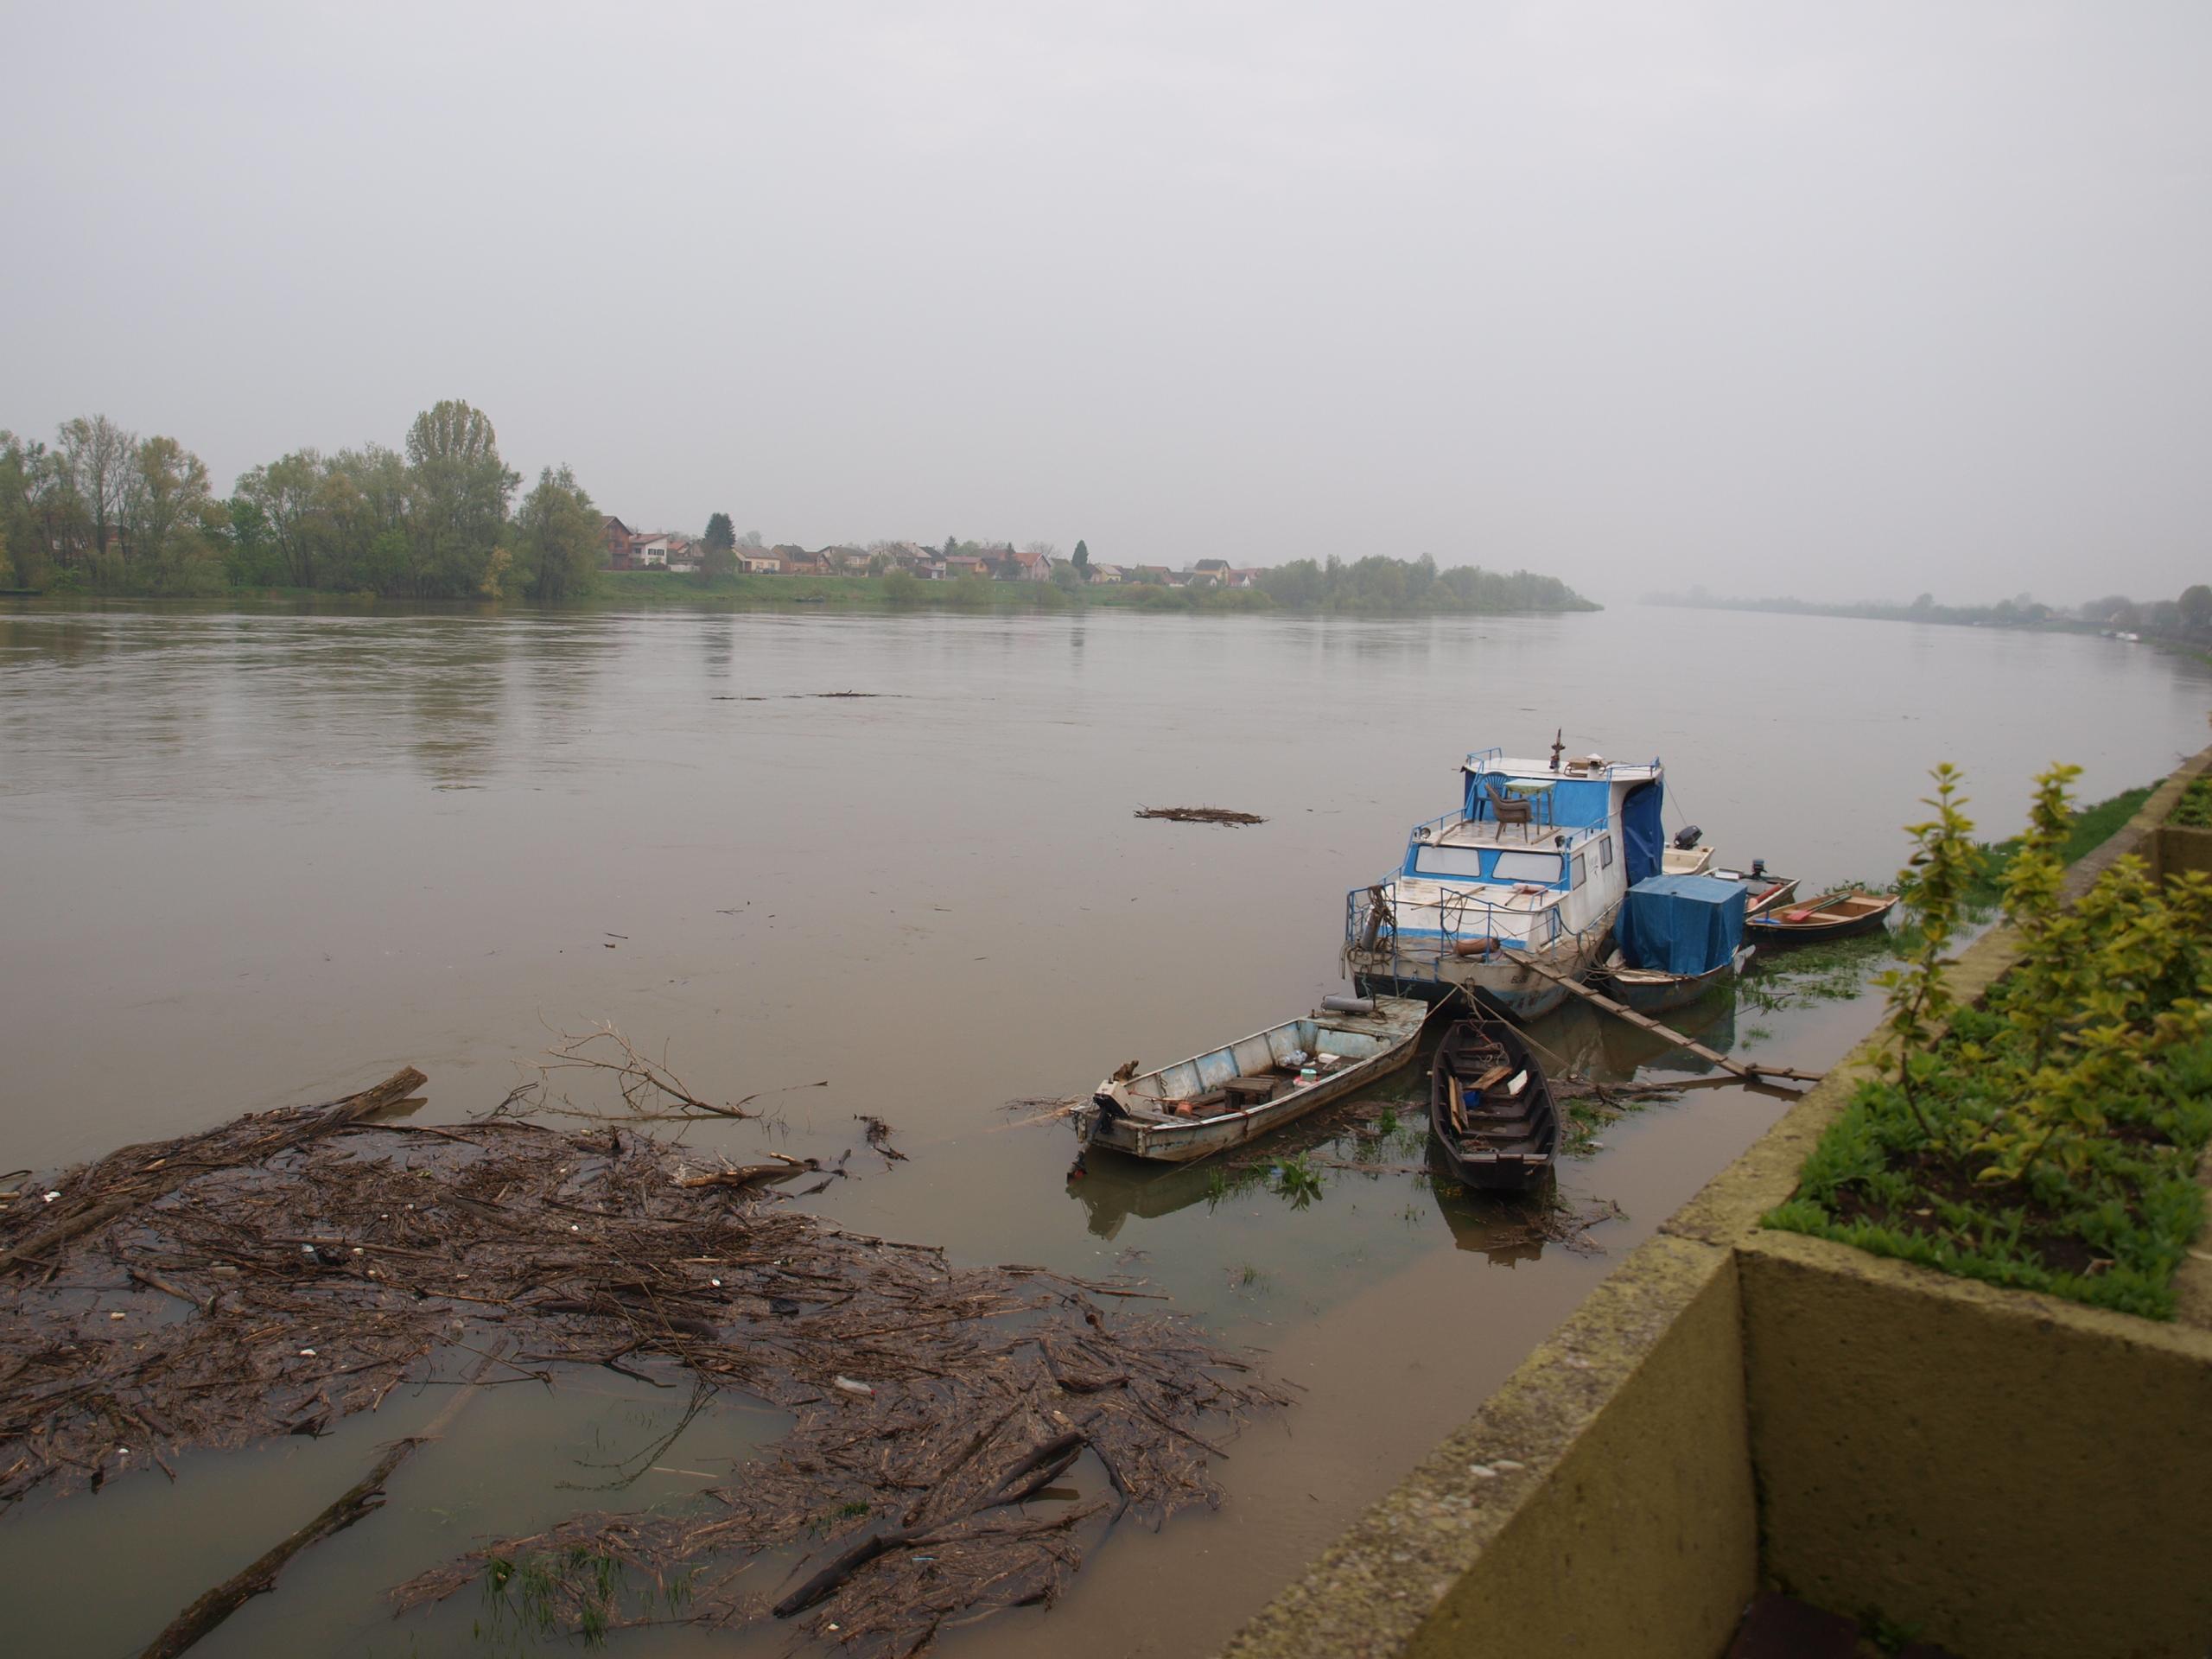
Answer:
(259, 858)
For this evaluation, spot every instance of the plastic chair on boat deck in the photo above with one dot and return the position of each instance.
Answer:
(1505, 809)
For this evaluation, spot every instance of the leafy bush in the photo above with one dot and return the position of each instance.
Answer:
(2193, 809)
(2047, 1138)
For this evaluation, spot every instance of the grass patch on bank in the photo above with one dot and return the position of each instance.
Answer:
(2046, 1137)
(2093, 826)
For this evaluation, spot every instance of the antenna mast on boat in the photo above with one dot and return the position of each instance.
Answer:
(1559, 745)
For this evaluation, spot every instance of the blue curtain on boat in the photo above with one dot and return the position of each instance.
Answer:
(1681, 923)
(1644, 838)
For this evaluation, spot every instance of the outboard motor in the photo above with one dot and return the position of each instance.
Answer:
(1686, 837)
(1759, 869)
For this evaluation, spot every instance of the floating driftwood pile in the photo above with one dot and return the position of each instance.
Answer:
(277, 1272)
(1199, 815)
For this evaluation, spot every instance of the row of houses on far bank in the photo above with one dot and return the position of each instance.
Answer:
(679, 555)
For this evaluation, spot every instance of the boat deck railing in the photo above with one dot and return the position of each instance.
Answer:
(1377, 926)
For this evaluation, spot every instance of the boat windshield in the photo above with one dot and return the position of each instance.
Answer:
(1466, 863)
(1527, 867)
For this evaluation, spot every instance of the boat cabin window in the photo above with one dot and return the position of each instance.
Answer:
(1579, 871)
(1527, 866)
(1449, 860)
(1604, 852)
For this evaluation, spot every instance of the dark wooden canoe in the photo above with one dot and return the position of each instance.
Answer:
(1843, 915)
(1490, 1116)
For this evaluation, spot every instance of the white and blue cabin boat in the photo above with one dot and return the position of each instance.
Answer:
(1531, 866)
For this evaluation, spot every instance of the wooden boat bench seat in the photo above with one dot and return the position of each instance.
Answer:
(1251, 1089)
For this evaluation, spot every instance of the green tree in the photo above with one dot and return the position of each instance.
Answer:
(169, 519)
(1082, 562)
(98, 456)
(251, 558)
(721, 533)
(457, 499)
(291, 496)
(2196, 605)
(559, 532)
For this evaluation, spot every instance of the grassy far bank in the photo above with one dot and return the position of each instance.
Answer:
(893, 593)
(899, 591)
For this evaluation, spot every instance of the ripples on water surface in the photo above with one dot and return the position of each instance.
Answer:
(266, 858)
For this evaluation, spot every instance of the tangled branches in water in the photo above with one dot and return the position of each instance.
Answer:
(959, 1434)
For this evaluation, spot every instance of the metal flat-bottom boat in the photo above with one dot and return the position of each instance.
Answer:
(1230, 1094)
(1490, 1115)
(1842, 915)
(1650, 990)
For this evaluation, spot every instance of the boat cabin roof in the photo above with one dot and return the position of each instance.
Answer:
(1584, 768)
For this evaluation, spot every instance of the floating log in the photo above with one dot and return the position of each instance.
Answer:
(364, 1497)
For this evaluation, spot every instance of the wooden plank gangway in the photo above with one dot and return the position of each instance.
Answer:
(1748, 1072)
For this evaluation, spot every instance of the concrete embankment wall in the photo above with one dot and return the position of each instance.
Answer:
(2005, 1473)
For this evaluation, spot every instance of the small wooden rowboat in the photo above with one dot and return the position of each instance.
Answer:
(1841, 915)
(1230, 1094)
(1490, 1109)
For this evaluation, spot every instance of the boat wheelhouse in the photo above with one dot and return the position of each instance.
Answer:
(1531, 864)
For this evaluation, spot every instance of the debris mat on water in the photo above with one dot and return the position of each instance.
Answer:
(1198, 814)
(960, 1435)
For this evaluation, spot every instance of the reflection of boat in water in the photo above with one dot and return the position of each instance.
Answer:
(1580, 1038)
(1231, 1094)
(1532, 864)
(1502, 1226)
(1116, 1188)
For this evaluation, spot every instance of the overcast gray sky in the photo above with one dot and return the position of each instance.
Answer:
(1842, 300)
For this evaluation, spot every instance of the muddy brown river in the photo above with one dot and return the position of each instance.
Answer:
(259, 858)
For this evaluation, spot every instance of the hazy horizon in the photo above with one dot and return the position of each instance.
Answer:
(1843, 304)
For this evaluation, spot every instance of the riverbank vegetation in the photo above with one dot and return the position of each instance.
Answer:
(1372, 586)
(2045, 1137)
(102, 512)
(2184, 621)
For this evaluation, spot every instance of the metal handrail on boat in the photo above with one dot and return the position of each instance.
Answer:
(1373, 926)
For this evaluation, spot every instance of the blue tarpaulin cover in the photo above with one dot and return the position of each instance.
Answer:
(1642, 833)
(1681, 923)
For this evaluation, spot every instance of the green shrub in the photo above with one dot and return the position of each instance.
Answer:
(2047, 1137)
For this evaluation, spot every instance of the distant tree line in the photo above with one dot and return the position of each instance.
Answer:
(1380, 583)
(101, 509)
(2186, 620)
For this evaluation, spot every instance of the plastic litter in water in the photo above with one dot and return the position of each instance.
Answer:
(851, 1387)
